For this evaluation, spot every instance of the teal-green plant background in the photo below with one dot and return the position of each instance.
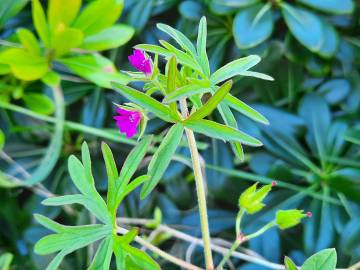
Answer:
(310, 47)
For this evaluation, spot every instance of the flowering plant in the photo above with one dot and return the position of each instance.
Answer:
(183, 86)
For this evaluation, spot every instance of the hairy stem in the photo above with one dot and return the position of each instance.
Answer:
(200, 190)
(242, 238)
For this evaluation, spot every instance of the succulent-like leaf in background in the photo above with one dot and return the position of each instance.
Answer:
(64, 30)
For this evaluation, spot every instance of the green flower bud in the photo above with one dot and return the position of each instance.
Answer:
(289, 218)
(251, 199)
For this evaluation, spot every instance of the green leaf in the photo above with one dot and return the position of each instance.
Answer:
(98, 15)
(132, 186)
(229, 120)
(53, 151)
(179, 37)
(331, 6)
(10, 8)
(125, 252)
(185, 91)
(253, 25)
(212, 103)
(24, 65)
(111, 169)
(28, 40)
(221, 132)
(162, 157)
(331, 40)
(64, 39)
(130, 166)
(48, 223)
(168, 52)
(257, 75)
(83, 181)
(102, 258)
(182, 56)
(99, 210)
(95, 68)
(2, 139)
(316, 113)
(324, 260)
(40, 23)
(171, 73)
(353, 135)
(146, 102)
(143, 7)
(108, 38)
(39, 103)
(201, 47)
(71, 238)
(234, 68)
(299, 21)
(289, 264)
(62, 12)
(5, 261)
(245, 109)
(51, 78)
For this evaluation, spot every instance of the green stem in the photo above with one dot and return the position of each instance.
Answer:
(238, 221)
(261, 230)
(200, 190)
(241, 239)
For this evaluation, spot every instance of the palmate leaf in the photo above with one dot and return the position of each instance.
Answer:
(67, 239)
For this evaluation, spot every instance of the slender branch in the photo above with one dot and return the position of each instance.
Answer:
(240, 238)
(200, 190)
(191, 239)
(160, 252)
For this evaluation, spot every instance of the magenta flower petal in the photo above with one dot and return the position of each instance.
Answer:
(139, 61)
(127, 121)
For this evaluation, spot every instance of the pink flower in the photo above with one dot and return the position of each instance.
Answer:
(127, 121)
(139, 61)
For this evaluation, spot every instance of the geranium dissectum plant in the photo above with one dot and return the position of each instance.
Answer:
(181, 87)
(186, 79)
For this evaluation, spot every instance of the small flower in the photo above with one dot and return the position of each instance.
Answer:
(141, 62)
(128, 121)
(251, 199)
(309, 214)
(274, 183)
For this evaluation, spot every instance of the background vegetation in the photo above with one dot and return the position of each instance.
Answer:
(311, 147)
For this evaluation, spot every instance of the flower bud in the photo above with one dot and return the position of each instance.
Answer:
(289, 218)
(251, 199)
